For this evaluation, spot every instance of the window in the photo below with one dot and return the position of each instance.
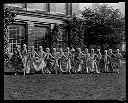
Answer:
(16, 36)
(37, 6)
(21, 5)
(59, 8)
(40, 37)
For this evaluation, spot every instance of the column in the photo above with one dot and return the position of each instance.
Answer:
(31, 36)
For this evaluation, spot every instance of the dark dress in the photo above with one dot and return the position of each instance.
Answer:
(16, 61)
(98, 60)
(73, 62)
(49, 60)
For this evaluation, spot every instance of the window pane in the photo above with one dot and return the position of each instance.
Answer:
(60, 8)
(22, 5)
(37, 6)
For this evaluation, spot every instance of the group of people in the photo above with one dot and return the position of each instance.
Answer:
(71, 61)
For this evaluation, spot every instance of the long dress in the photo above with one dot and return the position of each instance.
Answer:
(73, 62)
(98, 60)
(68, 55)
(87, 65)
(106, 62)
(16, 61)
(24, 59)
(32, 62)
(118, 62)
(49, 60)
(63, 63)
(55, 65)
(41, 62)
(79, 61)
(112, 62)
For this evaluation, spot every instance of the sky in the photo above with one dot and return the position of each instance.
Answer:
(120, 5)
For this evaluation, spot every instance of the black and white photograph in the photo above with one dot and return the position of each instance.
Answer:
(64, 51)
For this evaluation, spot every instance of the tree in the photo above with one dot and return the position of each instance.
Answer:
(9, 16)
(74, 26)
(103, 26)
(99, 25)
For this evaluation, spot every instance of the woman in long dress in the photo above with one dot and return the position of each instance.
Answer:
(106, 61)
(42, 63)
(63, 61)
(24, 57)
(87, 65)
(112, 61)
(55, 65)
(119, 57)
(80, 58)
(93, 61)
(16, 60)
(49, 59)
(98, 59)
(73, 60)
(31, 61)
(68, 55)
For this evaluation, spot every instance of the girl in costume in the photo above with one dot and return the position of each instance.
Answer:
(24, 58)
(55, 63)
(93, 61)
(31, 61)
(16, 60)
(68, 55)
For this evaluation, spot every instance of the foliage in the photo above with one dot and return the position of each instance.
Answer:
(100, 25)
(9, 16)
(54, 35)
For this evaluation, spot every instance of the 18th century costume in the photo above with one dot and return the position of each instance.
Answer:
(41, 63)
(55, 65)
(32, 61)
(118, 61)
(106, 61)
(93, 62)
(16, 60)
(24, 58)
(87, 65)
(49, 60)
(98, 59)
(79, 60)
(73, 60)
(63, 62)
(68, 55)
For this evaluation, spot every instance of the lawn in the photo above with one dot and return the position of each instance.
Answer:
(105, 86)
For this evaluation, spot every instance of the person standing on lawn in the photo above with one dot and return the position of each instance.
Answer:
(98, 59)
(112, 60)
(119, 58)
(63, 62)
(73, 60)
(85, 64)
(48, 61)
(106, 61)
(55, 63)
(31, 61)
(93, 62)
(41, 65)
(80, 59)
(68, 55)
(16, 60)
(24, 57)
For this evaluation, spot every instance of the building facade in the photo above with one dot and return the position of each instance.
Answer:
(35, 20)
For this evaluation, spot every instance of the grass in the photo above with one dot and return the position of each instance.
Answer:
(105, 86)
